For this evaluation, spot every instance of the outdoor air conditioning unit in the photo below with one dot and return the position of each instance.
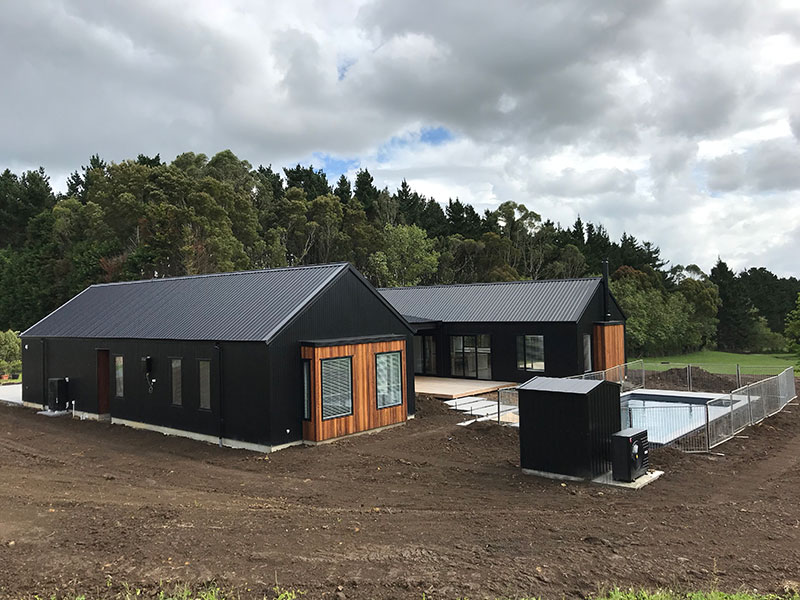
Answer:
(57, 394)
(630, 454)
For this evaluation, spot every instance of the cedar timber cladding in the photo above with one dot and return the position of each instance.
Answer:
(609, 345)
(365, 415)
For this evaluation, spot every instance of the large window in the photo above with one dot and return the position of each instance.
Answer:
(119, 377)
(530, 352)
(177, 382)
(337, 387)
(424, 355)
(307, 390)
(471, 356)
(204, 372)
(388, 366)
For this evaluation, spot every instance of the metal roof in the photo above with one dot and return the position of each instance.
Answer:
(561, 385)
(241, 306)
(550, 300)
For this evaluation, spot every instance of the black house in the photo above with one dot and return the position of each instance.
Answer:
(512, 331)
(255, 359)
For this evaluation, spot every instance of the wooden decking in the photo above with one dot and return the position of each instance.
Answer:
(449, 388)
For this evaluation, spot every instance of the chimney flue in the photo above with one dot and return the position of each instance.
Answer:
(606, 293)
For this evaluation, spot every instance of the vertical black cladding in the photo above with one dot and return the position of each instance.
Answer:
(568, 432)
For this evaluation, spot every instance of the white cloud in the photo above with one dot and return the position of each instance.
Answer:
(676, 122)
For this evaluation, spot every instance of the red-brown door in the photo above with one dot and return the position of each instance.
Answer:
(103, 384)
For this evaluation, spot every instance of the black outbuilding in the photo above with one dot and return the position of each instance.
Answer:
(254, 359)
(565, 426)
(511, 331)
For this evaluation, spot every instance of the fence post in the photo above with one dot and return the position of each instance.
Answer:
(738, 376)
(498, 407)
(708, 431)
(749, 405)
(689, 376)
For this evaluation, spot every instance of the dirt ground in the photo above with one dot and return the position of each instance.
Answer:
(427, 507)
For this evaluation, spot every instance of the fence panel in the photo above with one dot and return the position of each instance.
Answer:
(719, 415)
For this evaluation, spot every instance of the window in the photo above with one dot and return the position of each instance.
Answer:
(204, 370)
(119, 377)
(337, 387)
(424, 355)
(307, 390)
(177, 383)
(530, 352)
(587, 352)
(471, 356)
(389, 378)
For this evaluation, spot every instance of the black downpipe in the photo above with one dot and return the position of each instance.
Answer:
(44, 372)
(221, 392)
(606, 293)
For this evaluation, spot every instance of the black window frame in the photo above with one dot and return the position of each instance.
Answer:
(116, 379)
(322, 387)
(172, 402)
(524, 347)
(200, 384)
(307, 395)
(402, 396)
(474, 353)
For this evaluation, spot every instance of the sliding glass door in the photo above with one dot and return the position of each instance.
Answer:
(424, 355)
(471, 356)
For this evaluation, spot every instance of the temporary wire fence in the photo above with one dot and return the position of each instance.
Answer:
(696, 427)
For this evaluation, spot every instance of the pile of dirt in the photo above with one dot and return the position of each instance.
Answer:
(430, 507)
(702, 380)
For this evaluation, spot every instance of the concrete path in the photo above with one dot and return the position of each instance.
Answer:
(11, 393)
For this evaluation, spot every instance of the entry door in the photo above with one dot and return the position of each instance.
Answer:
(103, 383)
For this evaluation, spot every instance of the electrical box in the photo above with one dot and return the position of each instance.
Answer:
(147, 365)
(630, 454)
(57, 396)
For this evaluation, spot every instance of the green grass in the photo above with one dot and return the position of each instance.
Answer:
(214, 593)
(723, 362)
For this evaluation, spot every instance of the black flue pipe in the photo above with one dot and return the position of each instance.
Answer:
(606, 293)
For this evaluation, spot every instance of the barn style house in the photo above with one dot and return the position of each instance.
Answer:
(257, 359)
(513, 331)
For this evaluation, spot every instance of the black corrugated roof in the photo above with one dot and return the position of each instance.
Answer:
(542, 300)
(241, 306)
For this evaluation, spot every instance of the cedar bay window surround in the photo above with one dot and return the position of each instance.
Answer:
(530, 353)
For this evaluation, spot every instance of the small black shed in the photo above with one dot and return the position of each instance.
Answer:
(565, 425)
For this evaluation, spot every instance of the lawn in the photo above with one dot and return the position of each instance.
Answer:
(723, 362)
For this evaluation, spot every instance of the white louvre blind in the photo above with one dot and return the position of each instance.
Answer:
(337, 391)
(390, 379)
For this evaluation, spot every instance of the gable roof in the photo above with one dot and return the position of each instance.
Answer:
(541, 300)
(240, 306)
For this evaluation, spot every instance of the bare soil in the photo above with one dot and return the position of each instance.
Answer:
(427, 507)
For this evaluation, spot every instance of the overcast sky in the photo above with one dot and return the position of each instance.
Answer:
(677, 122)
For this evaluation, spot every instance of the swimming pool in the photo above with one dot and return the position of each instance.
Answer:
(670, 415)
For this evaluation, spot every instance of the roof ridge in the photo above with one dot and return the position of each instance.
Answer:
(488, 283)
(225, 274)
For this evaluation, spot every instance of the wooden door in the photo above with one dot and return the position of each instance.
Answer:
(103, 383)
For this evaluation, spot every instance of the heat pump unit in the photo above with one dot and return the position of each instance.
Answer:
(57, 394)
(630, 454)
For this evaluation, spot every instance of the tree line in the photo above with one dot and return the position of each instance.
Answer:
(147, 218)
